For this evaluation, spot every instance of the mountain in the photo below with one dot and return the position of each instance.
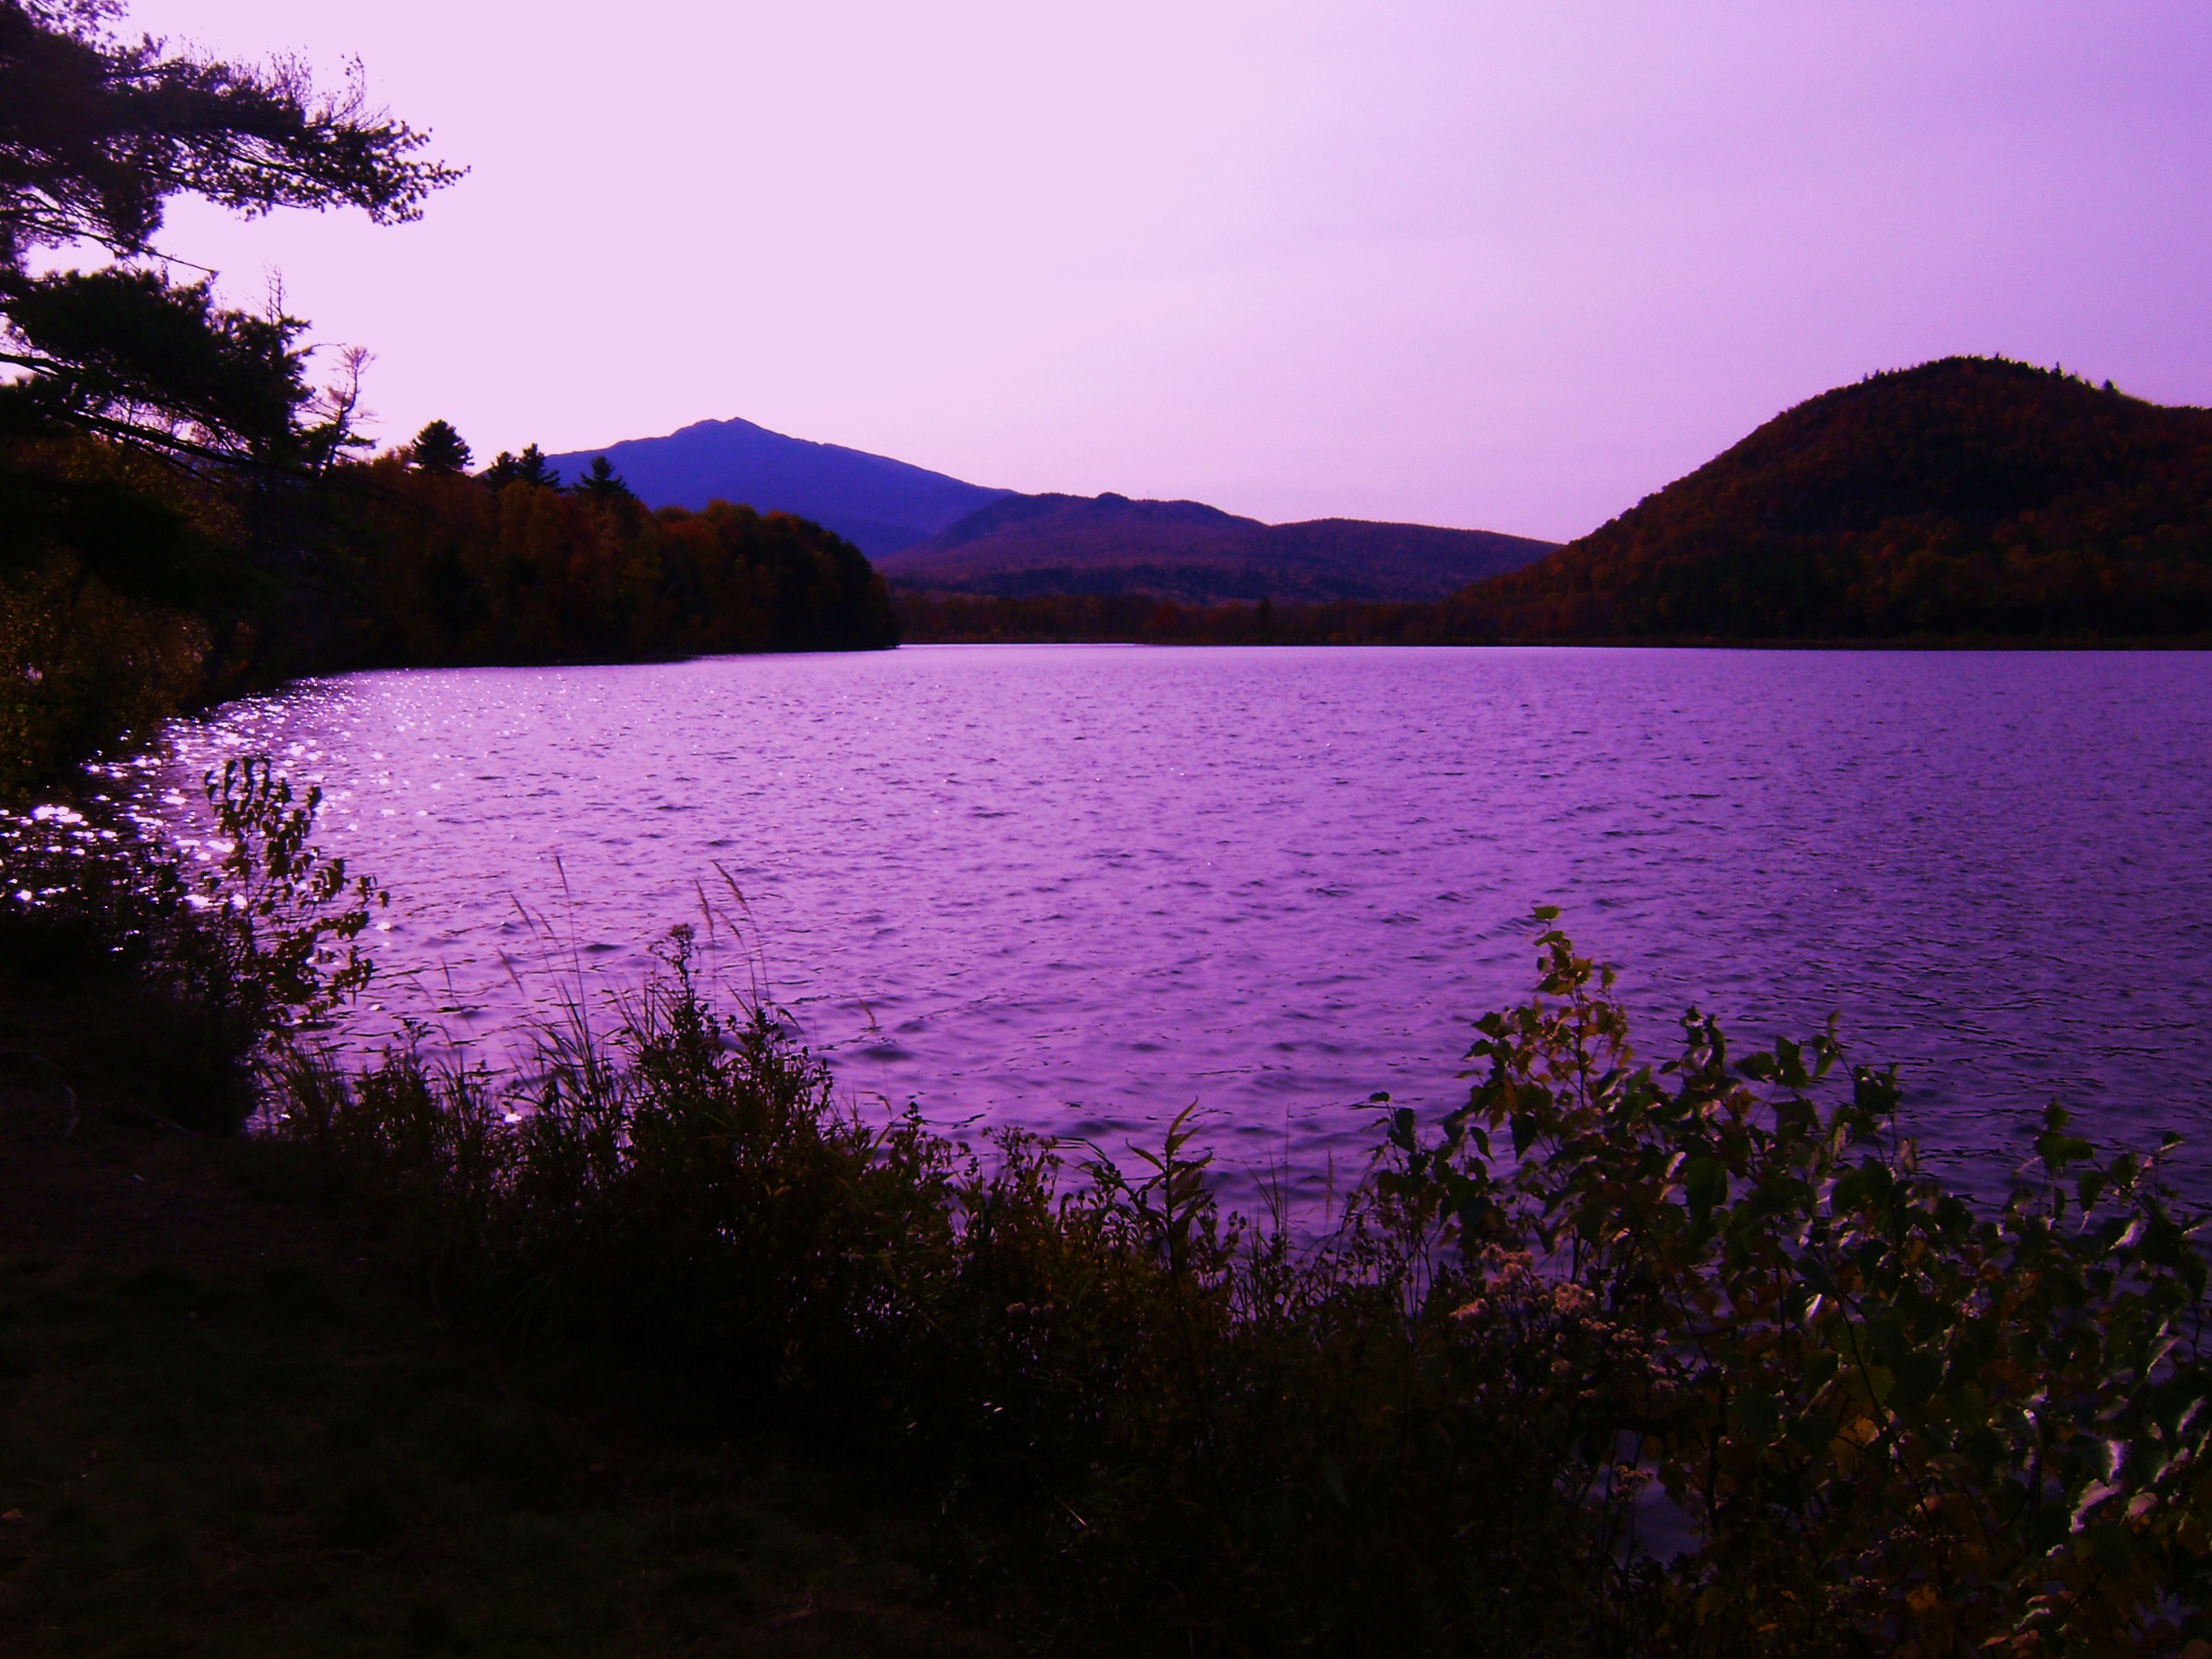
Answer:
(877, 504)
(1966, 496)
(1194, 554)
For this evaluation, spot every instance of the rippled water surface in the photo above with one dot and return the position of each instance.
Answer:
(1077, 888)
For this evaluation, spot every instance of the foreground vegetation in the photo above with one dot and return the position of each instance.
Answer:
(1883, 1422)
(1686, 1359)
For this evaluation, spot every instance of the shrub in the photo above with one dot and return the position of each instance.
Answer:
(1884, 1422)
(85, 664)
(208, 975)
(1892, 1421)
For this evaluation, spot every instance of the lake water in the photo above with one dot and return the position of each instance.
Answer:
(1077, 888)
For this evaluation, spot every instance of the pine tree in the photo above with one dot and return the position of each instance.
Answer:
(601, 482)
(529, 467)
(439, 449)
(96, 135)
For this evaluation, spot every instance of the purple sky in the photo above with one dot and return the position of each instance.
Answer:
(1510, 266)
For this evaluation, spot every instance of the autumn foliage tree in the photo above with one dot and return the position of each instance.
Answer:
(152, 436)
(443, 569)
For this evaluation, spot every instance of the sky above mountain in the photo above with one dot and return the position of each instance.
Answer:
(1510, 266)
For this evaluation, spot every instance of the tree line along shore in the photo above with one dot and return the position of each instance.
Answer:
(387, 562)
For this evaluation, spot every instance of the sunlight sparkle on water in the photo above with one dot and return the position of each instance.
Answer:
(1076, 887)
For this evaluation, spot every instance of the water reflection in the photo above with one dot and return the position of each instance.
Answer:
(1076, 887)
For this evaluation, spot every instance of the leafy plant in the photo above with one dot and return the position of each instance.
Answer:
(283, 920)
(1616, 1358)
(1885, 1414)
(225, 968)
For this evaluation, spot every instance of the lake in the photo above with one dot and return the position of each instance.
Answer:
(1077, 888)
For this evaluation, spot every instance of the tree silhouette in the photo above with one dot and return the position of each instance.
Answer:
(96, 135)
(437, 448)
(529, 467)
(158, 447)
(601, 482)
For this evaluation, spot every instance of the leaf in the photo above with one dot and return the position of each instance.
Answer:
(1761, 1413)
(2114, 1546)
(1705, 1183)
(1790, 1060)
(1815, 1431)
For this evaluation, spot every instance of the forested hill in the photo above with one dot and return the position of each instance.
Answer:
(1194, 554)
(875, 502)
(1966, 496)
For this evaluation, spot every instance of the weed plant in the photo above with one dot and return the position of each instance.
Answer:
(1617, 1359)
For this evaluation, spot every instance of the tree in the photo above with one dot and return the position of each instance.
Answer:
(96, 135)
(601, 482)
(128, 353)
(531, 467)
(156, 542)
(437, 448)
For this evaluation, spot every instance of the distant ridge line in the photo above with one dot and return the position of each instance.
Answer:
(929, 529)
(1194, 554)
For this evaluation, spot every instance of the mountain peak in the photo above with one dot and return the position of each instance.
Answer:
(878, 504)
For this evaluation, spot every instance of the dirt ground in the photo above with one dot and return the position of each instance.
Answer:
(224, 1430)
